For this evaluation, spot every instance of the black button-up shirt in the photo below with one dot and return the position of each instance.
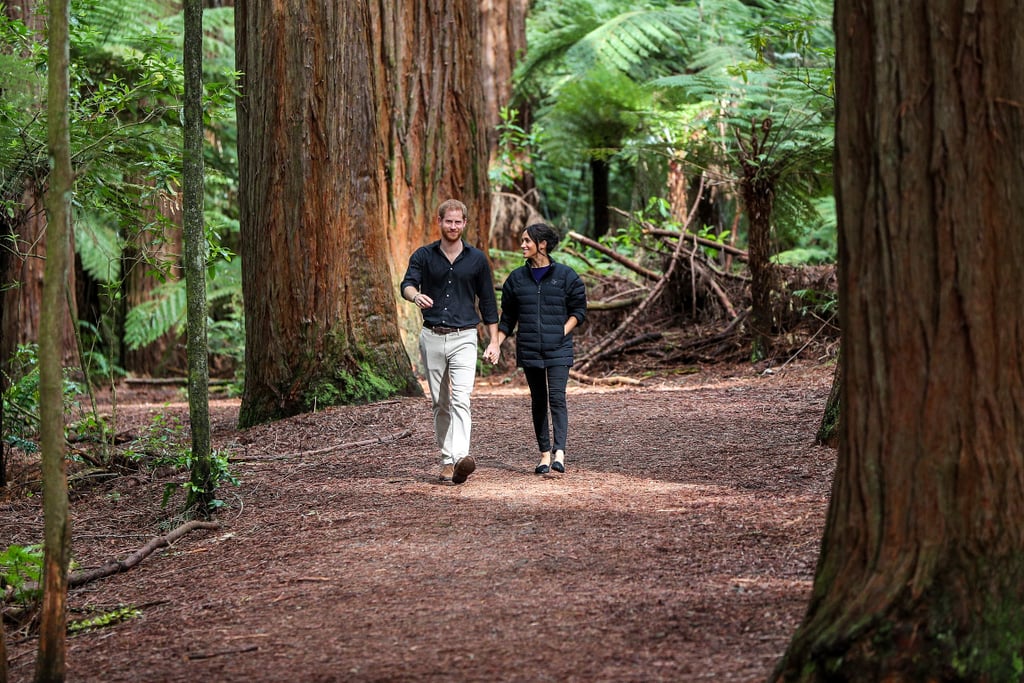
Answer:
(455, 286)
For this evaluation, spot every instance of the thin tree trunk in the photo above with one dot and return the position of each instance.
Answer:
(203, 488)
(921, 574)
(57, 524)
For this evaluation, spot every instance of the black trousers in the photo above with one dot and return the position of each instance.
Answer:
(547, 393)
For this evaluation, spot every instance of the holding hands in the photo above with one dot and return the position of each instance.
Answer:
(493, 352)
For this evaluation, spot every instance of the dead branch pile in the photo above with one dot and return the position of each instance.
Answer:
(688, 305)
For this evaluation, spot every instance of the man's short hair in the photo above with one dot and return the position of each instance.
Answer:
(450, 204)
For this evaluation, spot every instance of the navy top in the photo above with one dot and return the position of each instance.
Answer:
(455, 286)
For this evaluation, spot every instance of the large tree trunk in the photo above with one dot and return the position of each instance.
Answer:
(434, 127)
(921, 575)
(319, 302)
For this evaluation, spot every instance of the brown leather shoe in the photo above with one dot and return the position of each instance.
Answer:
(463, 468)
(447, 472)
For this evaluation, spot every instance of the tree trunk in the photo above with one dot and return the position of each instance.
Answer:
(202, 491)
(319, 301)
(151, 257)
(434, 127)
(921, 575)
(54, 311)
(828, 430)
(758, 199)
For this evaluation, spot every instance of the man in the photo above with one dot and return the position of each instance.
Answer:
(446, 280)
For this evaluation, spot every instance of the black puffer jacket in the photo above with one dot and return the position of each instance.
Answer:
(540, 312)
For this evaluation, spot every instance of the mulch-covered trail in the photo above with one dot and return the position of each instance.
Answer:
(679, 545)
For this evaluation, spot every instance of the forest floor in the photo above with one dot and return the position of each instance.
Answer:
(679, 545)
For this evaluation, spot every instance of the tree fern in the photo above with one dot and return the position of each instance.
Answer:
(151, 319)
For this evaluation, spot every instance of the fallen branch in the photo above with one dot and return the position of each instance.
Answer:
(613, 305)
(223, 653)
(632, 265)
(702, 241)
(84, 576)
(614, 379)
(629, 343)
(650, 229)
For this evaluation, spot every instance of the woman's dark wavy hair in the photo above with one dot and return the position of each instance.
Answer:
(542, 232)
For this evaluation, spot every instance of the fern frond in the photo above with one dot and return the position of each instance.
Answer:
(151, 319)
(99, 247)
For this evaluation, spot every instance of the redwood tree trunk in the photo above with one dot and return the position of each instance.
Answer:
(434, 126)
(503, 38)
(319, 302)
(921, 575)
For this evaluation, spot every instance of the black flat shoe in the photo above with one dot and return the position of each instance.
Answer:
(558, 467)
(541, 469)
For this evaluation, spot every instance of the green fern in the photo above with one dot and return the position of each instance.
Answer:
(151, 319)
(99, 247)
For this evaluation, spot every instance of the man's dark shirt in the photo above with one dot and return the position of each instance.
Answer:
(454, 287)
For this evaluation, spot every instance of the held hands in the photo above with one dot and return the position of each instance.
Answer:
(492, 353)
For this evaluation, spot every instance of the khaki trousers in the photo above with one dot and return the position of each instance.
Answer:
(450, 362)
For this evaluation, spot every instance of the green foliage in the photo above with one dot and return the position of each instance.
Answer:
(687, 80)
(151, 319)
(21, 398)
(124, 108)
(220, 473)
(21, 570)
(104, 619)
(165, 444)
(512, 159)
(166, 311)
(592, 116)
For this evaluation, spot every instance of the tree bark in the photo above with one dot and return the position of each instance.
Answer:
(921, 574)
(434, 123)
(314, 206)
(152, 256)
(503, 39)
(54, 310)
(202, 478)
(757, 188)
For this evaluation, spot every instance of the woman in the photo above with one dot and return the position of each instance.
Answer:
(547, 301)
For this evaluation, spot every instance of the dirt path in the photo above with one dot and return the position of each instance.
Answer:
(679, 545)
